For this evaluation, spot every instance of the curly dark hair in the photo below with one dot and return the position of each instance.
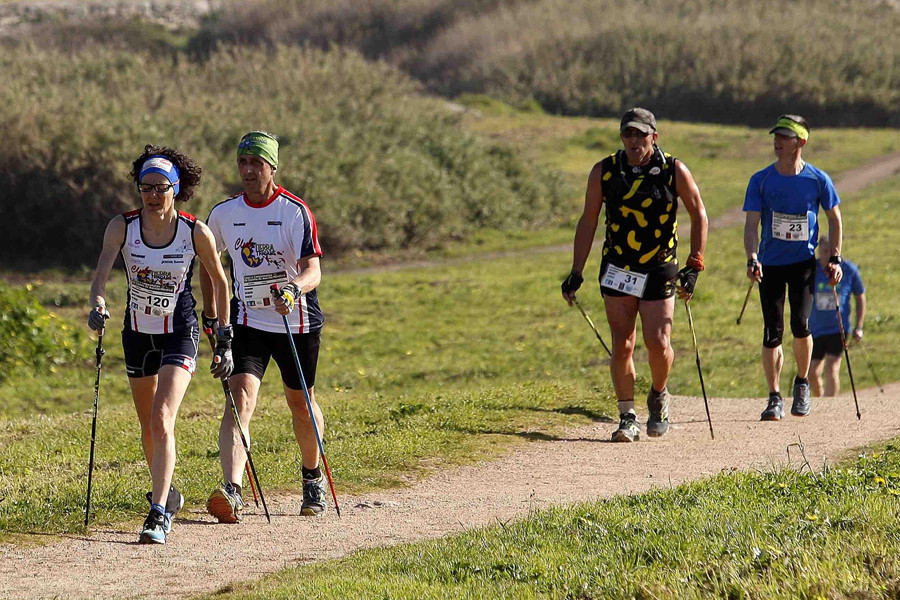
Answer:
(190, 171)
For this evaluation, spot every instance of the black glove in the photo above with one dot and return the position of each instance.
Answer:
(97, 318)
(209, 323)
(223, 364)
(687, 278)
(571, 283)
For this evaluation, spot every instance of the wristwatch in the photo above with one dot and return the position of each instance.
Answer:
(835, 260)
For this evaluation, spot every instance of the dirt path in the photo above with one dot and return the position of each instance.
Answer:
(201, 556)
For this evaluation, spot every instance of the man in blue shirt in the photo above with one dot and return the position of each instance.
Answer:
(823, 322)
(782, 202)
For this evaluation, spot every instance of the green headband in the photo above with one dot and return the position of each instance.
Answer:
(785, 123)
(261, 144)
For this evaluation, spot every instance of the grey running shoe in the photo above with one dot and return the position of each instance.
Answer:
(658, 405)
(225, 504)
(313, 497)
(801, 405)
(775, 409)
(629, 430)
(154, 529)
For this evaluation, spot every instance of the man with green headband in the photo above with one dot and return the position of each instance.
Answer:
(271, 237)
(783, 201)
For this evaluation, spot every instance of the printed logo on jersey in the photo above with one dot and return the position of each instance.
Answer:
(148, 275)
(255, 254)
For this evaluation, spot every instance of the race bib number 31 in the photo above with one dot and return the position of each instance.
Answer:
(628, 282)
(257, 288)
(790, 228)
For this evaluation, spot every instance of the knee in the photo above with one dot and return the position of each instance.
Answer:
(772, 336)
(657, 344)
(622, 347)
(162, 423)
(800, 327)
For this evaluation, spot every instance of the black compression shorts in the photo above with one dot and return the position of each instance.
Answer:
(827, 344)
(799, 278)
(145, 353)
(252, 348)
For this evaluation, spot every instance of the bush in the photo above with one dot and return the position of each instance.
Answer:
(834, 61)
(381, 166)
(31, 337)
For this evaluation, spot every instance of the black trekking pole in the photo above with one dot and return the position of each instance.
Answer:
(837, 308)
(251, 473)
(591, 323)
(229, 398)
(687, 307)
(871, 367)
(746, 298)
(99, 352)
(312, 416)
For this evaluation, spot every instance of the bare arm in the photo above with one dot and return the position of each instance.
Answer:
(213, 284)
(751, 242)
(590, 216)
(860, 316)
(689, 193)
(113, 239)
(835, 238)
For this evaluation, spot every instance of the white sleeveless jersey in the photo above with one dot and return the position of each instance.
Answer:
(159, 278)
(265, 243)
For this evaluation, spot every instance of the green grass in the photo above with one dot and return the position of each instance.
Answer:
(418, 368)
(738, 535)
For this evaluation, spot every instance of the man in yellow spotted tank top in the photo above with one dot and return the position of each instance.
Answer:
(640, 186)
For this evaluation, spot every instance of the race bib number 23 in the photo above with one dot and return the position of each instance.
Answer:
(790, 228)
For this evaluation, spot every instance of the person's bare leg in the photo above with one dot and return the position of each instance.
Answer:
(303, 428)
(815, 377)
(143, 389)
(803, 355)
(244, 389)
(832, 375)
(773, 361)
(173, 383)
(621, 313)
(656, 318)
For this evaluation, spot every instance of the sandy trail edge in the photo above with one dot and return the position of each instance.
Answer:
(200, 555)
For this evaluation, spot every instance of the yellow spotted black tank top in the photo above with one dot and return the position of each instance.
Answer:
(641, 229)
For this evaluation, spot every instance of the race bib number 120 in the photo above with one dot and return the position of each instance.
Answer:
(621, 280)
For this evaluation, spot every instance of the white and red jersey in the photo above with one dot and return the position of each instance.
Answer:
(265, 243)
(159, 277)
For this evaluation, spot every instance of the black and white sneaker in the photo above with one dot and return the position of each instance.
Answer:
(774, 410)
(313, 497)
(658, 406)
(629, 430)
(801, 405)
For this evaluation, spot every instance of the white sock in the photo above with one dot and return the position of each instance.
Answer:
(626, 406)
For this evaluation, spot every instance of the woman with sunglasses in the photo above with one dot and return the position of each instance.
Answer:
(160, 337)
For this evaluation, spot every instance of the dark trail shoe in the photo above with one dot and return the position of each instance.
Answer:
(154, 529)
(801, 405)
(174, 503)
(313, 497)
(775, 409)
(225, 504)
(658, 405)
(629, 430)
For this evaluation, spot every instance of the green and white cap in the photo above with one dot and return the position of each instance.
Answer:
(261, 144)
(789, 125)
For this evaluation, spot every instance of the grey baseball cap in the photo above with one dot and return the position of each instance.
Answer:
(639, 118)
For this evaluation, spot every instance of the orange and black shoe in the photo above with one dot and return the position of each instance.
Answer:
(225, 503)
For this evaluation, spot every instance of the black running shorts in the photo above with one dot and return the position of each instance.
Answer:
(252, 348)
(660, 282)
(799, 279)
(145, 353)
(827, 344)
